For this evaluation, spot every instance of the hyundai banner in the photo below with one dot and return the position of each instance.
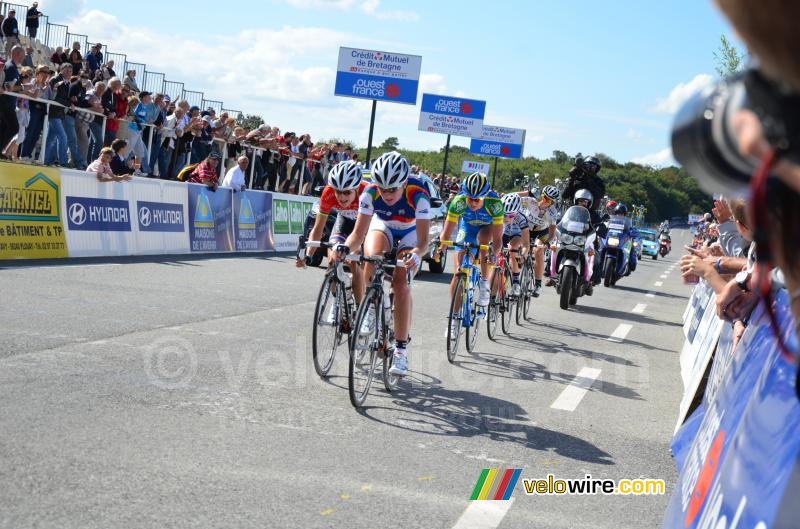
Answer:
(383, 76)
(210, 214)
(502, 142)
(160, 216)
(452, 115)
(98, 214)
(252, 212)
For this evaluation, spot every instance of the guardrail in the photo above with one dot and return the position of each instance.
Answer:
(737, 440)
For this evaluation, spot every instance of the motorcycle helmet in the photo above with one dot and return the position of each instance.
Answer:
(592, 164)
(551, 192)
(512, 203)
(476, 185)
(345, 176)
(584, 194)
(390, 170)
(621, 209)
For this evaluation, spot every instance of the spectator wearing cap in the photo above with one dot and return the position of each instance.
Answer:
(130, 81)
(41, 90)
(32, 19)
(76, 59)
(235, 178)
(138, 120)
(206, 171)
(10, 29)
(94, 59)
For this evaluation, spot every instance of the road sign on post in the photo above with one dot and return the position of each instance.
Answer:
(502, 142)
(455, 116)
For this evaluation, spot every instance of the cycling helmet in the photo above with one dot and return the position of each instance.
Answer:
(390, 170)
(345, 176)
(584, 194)
(476, 185)
(551, 192)
(611, 204)
(621, 209)
(512, 203)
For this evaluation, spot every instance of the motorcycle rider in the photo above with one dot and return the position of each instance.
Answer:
(583, 175)
(621, 214)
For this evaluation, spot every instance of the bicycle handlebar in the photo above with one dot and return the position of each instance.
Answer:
(467, 246)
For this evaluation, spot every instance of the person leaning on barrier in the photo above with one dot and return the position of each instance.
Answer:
(119, 162)
(32, 19)
(102, 166)
(9, 126)
(236, 176)
(206, 171)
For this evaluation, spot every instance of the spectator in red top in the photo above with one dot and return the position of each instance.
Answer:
(206, 171)
(59, 57)
(115, 106)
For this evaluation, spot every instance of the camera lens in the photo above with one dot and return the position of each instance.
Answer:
(704, 140)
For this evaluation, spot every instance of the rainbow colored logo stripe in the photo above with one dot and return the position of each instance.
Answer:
(496, 484)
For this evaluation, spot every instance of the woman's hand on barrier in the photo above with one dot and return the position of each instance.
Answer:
(733, 303)
(738, 331)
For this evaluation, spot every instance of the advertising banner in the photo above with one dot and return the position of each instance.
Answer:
(471, 167)
(383, 76)
(161, 213)
(452, 115)
(210, 214)
(289, 214)
(502, 142)
(30, 213)
(252, 212)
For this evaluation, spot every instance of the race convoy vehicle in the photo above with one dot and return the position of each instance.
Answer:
(649, 242)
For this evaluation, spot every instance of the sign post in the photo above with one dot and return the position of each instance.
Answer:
(446, 153)
(379, 76)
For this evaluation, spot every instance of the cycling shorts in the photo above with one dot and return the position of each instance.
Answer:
(468, 233)
(399, 239)
(541, 235)
(342, 229)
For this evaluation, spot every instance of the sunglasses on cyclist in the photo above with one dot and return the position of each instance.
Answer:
(389, 190)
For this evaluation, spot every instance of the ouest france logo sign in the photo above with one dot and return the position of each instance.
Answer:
(383, 76)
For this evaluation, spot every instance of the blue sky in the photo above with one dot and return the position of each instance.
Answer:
(578, 75)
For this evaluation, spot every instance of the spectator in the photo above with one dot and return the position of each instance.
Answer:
(38, 110)
(156, 115)
(28, 60)
(206, 171)
(95, 125)
(115, 107)
(23, 116)
(11, 32)
(102, 166)
(32, 20)
(76, 59)
(172, 130)
(75, 127)
(9, 125)
(130, 81)
(94, 59)
(235, 177)
(120, 164)
(107, 71)
(59, 57)
(138, 119)
(57, 136)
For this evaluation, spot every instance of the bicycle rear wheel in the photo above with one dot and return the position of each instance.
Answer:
(390, 381)
(327, 335)
(493, 310)
(507, 302)
(454, 319)
(364, 348)
(474, 325)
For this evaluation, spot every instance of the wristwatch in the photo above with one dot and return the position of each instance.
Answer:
(741, 280)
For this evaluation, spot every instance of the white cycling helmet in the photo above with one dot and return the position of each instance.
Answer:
(345, 176)
(551, 192)
(512, 203)
(390, 170)
(584, 194)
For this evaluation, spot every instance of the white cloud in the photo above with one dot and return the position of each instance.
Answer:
(682, 91)
(368, 7)
(656, 159)
(634, 134)
(322, 4)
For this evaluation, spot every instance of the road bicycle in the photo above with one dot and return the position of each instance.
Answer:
(501, 303)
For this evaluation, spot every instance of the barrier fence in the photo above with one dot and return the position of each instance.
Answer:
(737, 440)
(49, 213)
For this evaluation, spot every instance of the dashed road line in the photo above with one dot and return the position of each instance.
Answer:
(620, 332)
(664, 276)
(483, 514)
(639, 308)
(572, 395)
(658, 284)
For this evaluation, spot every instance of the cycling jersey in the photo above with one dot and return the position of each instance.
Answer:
(516, 226)
(541, 218)
(490, 213)
(398, 221)
(328, 203)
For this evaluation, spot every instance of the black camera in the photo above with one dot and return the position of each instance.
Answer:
(705, 142)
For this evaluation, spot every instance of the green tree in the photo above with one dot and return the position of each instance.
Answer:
(390, 144)
(250, 121)
(728, 58)
(560, 157)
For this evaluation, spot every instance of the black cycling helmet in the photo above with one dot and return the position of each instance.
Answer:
(622, 209)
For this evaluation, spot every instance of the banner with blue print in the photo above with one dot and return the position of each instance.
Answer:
(211, 219)
(252, 213)
(502, 142)
(383, 76)
(456, 116)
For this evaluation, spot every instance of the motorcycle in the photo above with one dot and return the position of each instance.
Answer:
(665, 246)
(572, 259)
(615, 252)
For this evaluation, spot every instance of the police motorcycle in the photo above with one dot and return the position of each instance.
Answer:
(572, 259)
(616, 250)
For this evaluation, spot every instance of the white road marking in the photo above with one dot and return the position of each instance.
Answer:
(664, 276)
(620, 332)
(639, 308)
(483, 514)
(658, 284)
(650, 294)
(574, 393)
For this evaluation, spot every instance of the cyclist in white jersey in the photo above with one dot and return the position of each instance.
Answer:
(542, 217)
(516, 235)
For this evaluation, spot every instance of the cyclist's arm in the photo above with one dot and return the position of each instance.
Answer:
(497, 237)
(447, 230)
(316, 231)
(551, 233)
(526, 241)
(356, 239)
(423, 231)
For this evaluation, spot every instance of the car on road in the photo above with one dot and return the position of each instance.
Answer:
(649, 242)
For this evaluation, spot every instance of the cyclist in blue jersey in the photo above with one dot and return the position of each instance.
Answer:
(516, 235)
(478, 212)
(394, 213)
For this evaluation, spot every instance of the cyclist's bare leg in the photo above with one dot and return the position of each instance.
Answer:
(402, 301)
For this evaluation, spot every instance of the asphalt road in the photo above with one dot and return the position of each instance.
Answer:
(181, 393)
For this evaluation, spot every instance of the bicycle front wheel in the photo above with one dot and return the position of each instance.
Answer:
(493, 310)
(455, 318)
(507, 302)
(327, 330)
(390, 381)
(364, 347)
